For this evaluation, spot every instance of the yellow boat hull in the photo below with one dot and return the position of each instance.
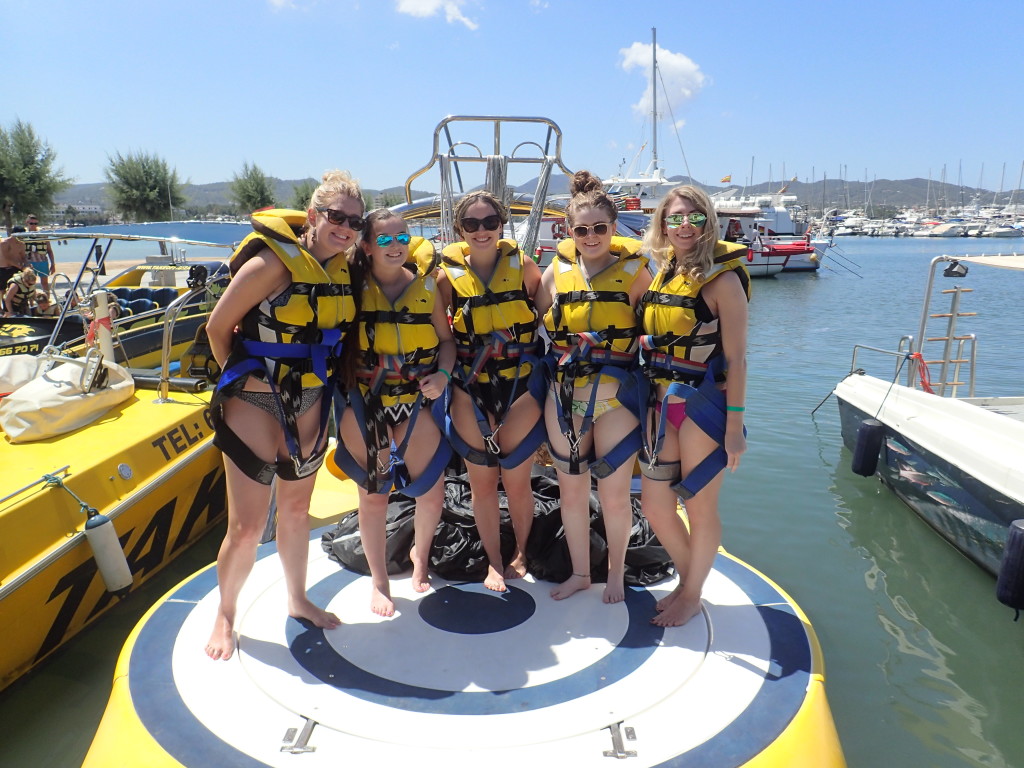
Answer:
(150, 467)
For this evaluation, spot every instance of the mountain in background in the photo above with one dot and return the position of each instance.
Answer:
(217, 195)
(833, 193)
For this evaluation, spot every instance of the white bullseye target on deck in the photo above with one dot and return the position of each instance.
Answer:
(460, 674)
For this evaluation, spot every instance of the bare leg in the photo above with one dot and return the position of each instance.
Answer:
(373, 508)
(420, 452)
(705, 530)
(521, 507)
(483, 484)
(659, 505)
(613, 492)
(248, 502)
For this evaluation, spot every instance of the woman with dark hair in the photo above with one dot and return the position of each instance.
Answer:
(276, 332)
(694, 345)
(495, 423)
(396, 409)
(587, 298)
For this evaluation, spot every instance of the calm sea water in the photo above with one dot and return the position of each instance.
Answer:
(924, 668)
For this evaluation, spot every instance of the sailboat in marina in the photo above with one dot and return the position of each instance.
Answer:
(762, 221)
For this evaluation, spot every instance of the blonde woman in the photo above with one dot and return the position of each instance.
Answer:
(277, 335)
(694, 344)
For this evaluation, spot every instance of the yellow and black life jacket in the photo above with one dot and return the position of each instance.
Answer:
(494, 321)
(680, 334)
(320, 296)
(591, 321)
(397, 339)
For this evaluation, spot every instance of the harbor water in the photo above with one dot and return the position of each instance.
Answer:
(924, 668)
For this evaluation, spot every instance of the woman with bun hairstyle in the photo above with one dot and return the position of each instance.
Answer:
(396, 408)
(694, 345)
(277, 334)
(495, 423)
(587, 298)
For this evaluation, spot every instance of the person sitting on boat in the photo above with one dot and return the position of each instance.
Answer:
(694, 320)
(396, 410)
(277, 334)
(587, 298)
(21, 289)
(39, 253)
(12, 261)
(43, 307)
(495, 419)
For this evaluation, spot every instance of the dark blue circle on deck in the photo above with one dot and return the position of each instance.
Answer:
(470, 612)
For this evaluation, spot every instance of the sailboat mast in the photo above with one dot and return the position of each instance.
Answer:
(654, 98)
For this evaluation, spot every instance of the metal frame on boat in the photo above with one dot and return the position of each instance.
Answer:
(956, 461)
(148, 466)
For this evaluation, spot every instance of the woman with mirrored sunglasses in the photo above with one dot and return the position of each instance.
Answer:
(694, 321)
(272, 403)
(397, 407)
(495, 423)
(587, 297)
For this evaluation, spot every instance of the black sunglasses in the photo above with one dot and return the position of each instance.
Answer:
(339, 218)
(490, 223)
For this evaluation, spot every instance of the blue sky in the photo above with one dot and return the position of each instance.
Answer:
(796, 87)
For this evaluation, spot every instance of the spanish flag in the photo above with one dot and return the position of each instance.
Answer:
(726, 179)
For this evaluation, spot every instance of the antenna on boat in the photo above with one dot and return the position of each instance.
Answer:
(654, 99)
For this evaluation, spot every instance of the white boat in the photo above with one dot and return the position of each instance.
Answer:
(79, 453)
(955, 460)
(1004, 230)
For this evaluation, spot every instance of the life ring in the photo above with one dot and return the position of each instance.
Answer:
(559, 230)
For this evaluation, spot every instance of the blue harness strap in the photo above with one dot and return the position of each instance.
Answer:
(395, 476)
(632, 394)
(491, 455)
(705, 406)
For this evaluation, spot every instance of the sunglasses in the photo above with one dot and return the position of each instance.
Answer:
(677, 220)
(339, 218)
(32, 223)
(599, 229)
(489, 223)
(403, 238)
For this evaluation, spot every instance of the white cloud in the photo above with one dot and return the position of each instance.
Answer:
(426, 8)
(538, 5)
(681, 76)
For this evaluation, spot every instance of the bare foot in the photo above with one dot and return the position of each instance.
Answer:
(420, 577)
(381, 602)
(678, 613)
(517, 568)
(668, 599)
(614, 591)
(570, 586)
(304, 609)
(221, 644)
(494, 581)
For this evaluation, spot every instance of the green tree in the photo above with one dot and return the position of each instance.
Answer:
(302, 193)
(143, 187)
(28, 179)
(252, 189)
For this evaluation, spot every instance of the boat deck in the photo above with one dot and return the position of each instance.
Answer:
(1011, 407)
(464, 676)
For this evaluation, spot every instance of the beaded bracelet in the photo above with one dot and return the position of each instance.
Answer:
(447, 374)
(735, 408)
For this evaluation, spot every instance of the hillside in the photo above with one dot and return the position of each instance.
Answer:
(836, 193)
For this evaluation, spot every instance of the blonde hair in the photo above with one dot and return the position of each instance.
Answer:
(27, 273)
(334, 183)
(699, 262)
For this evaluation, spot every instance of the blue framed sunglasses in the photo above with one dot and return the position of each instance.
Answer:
(403, 238)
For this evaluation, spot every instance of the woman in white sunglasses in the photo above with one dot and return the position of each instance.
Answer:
(495, 423)
(694, 346)
(587, 298)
